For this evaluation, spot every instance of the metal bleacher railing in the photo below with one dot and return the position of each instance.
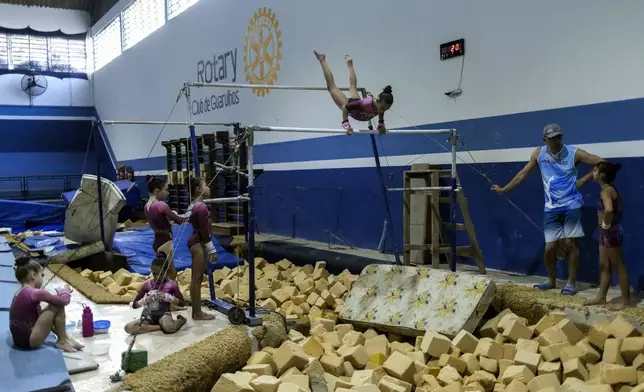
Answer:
(38, 188)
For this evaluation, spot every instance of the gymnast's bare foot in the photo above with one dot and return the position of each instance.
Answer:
(320, 56)
(595, 301)
(75, 344)
(621, 306)
(348, 59)
(202, 316)
(66, 346)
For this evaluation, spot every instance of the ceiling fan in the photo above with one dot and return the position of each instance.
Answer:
(34, 85)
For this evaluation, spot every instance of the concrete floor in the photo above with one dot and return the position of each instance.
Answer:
(157, 344)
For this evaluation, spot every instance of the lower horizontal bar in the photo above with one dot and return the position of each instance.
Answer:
(264, 86)
(225, 200)
(173, 123)
(256, 128)
(420, 189)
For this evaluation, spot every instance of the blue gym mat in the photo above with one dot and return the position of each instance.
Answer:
(137, 246)
(42, 369)
(7, 259)
(7, 291)
(7, 274)
(4, 320)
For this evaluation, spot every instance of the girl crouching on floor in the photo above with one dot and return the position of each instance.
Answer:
(156, 296)
(29, 324)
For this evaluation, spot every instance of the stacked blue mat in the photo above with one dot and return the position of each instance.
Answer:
(42, 369)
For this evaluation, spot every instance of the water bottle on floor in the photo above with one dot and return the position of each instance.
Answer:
(88, 322)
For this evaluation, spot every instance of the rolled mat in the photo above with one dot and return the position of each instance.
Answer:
(196, 368)
(91, 290)
(533, 304)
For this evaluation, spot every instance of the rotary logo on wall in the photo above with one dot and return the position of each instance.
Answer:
(262, 50)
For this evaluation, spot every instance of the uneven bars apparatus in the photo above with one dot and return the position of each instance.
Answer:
(452, 132)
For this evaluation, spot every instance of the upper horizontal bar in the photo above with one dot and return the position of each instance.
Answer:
(256, 128)
(179, 123)
(266, 86)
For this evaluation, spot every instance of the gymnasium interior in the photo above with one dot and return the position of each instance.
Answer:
(374, 177)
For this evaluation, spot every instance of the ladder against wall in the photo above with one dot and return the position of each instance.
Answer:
(425, 234)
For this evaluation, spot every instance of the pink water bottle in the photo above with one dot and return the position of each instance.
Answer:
(88, 322)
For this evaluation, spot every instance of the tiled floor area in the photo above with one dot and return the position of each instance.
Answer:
(157, 344)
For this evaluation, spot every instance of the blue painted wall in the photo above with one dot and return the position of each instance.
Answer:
(348, 201)
(47, 141)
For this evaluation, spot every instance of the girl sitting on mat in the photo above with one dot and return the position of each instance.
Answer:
(609, 213)
(160, 216)
(29, 324)
(156, 296)
(200, 245)
(361, 109)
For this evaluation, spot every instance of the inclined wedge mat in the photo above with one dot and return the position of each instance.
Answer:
(411, 300)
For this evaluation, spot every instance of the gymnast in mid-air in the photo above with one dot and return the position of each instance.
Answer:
(361, 109)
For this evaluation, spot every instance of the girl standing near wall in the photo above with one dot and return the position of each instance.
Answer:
(609, 213)
(200, 244)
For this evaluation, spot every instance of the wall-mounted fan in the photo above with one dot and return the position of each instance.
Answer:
(34, 85)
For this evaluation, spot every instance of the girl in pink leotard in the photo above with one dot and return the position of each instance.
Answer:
(29, 324)
(200, 245)
(156, 295)
(160, 217)
(361, 109)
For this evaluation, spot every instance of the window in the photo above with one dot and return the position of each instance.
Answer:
(107, 44)
(41, 53)
(140, 19)
(175, 7)
(4, 51)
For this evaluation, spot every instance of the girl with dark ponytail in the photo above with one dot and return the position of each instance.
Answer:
(159, 216)
(361, 109)
(609, 214)
(29, 324)
(200, 244)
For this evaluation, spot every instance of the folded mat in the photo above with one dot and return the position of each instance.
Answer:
(42, 369)
(7, 274)
(6, 258)
(7, 291)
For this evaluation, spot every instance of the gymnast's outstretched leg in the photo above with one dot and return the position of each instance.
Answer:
(338, 96)
(353, 79)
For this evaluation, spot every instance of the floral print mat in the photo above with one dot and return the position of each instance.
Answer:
(411, 300)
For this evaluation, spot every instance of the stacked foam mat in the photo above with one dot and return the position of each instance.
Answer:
(43, 369)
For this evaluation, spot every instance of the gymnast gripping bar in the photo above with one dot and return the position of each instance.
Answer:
(266, 86)
(257, 128)
(225, 200)
(173, 123)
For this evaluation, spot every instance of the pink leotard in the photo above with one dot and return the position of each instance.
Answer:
(363, 109)
(169, 286)
(200, 219)
(25, 310)
(159, 216)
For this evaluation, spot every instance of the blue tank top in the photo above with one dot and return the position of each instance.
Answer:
(559, 175)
